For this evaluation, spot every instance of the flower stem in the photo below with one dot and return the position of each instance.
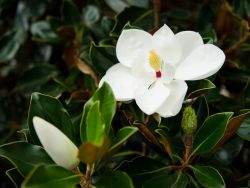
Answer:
(188, 148)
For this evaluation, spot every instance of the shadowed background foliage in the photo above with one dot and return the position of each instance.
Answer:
(62, 48)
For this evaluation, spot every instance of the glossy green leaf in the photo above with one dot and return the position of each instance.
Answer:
(244, 130)
(24, 155)
(122, 135)
(50, 109)
(210, 132)
(201, 108)
(95, 127)
(51, 176)
(233, 125)
(208, 176)
(178, 180)
(102, 57)
(114, 179)
(199, 87)
(15, 177)
(107, 108)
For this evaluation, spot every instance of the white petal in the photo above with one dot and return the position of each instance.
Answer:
(189, 41)
(166, 45)
(121, 81)
(172, 105)
(59, 147)
(132, 46)
(203, 62)
(150, 99)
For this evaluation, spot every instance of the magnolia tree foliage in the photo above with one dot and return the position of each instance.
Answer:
(124, 93)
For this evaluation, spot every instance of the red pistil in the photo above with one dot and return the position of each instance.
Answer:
(158, 74)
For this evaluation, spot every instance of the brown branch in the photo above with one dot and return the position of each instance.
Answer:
(237, 44)
(157, 10)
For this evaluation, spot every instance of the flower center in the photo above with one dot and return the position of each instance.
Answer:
(155, 63)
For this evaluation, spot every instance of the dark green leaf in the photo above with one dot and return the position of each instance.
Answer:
(134, 15)
(201, 108)
(137, 167)
(24, 155)
(229, 151)
(107, 108)
(102, 57)
(210, 132)
(95, 127)
(70, 13)
(208, 176)
(244, 130)
(199, 87)
(33, 78)
(43, 32)
(9, 44)
(122, 135)
(51, 176)
(50, 109)
(114, 179)
(15, 177)
(178, 180)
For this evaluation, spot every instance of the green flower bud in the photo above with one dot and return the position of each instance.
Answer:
(189, 121)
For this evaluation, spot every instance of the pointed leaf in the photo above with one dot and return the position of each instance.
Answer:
(210, 132)
(199, 87)
(233, 125)
(51, 110)
(102, 57)
(122, 135)
(201, 108)
(208, 176)
(51, 176)
(24, 155)
(15, 177)
(95, 127)
(107, 108)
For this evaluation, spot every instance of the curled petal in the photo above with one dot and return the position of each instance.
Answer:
(121, 81)
(150, 99)
(203, 62)
(172, 105)
(189, 41)
(59, 147)
(132, 46)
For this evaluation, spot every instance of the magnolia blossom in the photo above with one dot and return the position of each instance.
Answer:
(59, 147)
(153, 68)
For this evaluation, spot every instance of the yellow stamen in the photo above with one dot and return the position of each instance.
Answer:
(154, 61)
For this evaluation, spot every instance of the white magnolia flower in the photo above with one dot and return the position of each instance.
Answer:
(59, 147)
(153, 68)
